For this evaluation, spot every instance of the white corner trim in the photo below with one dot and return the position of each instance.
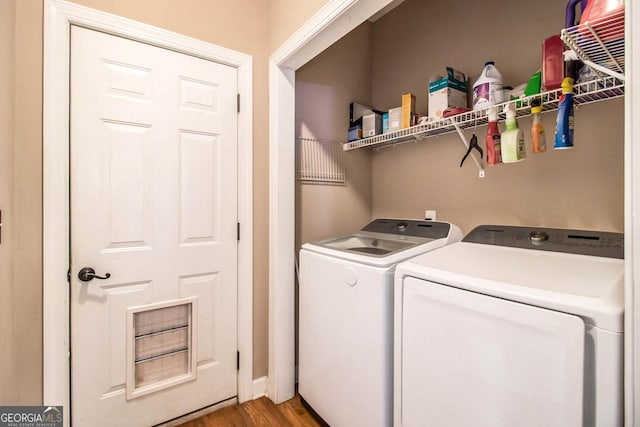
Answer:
(632, 217)
(59, 15)
(333, 21)
(245, 218)
(260, 387)
(311, 29)
(281, 234)
(55, 313)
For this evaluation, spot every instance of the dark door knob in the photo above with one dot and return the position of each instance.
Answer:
(88, 273)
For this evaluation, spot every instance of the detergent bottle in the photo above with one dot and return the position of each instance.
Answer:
(564, 122)
(487, 88)
(512, 140)
(552, 62)
(538, 138)
(492, 140)
(570, 16)
(598, 9)
(607, 16)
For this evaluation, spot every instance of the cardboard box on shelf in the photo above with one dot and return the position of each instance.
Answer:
(356, 111)
(371, 125)
(408, 109)
(448, 91)
(395, 118)
(355, 133)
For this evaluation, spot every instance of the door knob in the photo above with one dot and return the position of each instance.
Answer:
(88, 273)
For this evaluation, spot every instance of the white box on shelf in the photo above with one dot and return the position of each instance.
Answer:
(448, 91)
(371, 125)
(395, 119)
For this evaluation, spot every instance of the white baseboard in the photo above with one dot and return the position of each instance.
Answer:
(260, 387)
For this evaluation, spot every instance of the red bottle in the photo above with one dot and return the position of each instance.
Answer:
(552, 62)
(607, 16)
(492, 140)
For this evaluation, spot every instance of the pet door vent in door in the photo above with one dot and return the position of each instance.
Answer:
(161, 346)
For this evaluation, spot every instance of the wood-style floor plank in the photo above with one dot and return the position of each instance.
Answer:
(263, 412)
(226, 417)
(297, 414)
(258, 413)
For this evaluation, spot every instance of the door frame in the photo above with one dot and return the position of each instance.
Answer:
(334, 20)
(331, 22)
(59, 15)
(632, 215)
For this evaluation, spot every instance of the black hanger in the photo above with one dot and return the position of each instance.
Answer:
(472, 144)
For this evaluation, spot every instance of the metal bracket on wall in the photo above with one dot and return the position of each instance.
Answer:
(466, 145)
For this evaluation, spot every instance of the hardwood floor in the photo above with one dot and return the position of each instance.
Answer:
(258, 413)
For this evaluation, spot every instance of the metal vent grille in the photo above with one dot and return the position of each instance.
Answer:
(320, 161)
(161, 346)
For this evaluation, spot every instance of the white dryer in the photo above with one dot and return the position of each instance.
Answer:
(346, 318)
(513, 326)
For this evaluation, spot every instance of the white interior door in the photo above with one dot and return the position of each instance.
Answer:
(154, 204)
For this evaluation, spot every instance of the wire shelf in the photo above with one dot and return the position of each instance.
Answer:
(600, 43)
(607, 87)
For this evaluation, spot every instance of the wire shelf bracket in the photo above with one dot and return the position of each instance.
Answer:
(466, 144)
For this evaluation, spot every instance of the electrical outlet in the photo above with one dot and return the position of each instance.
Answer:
(430, 215)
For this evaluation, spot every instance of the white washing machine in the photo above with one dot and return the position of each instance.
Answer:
(513, 326)
(346, 318)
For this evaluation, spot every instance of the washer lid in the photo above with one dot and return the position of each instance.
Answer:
(386, 242)
(588, 286)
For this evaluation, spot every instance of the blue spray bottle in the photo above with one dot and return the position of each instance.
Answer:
(564, 122)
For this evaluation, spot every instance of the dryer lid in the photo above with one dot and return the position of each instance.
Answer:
(588, 286)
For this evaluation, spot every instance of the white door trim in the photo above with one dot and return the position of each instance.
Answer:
(335, 19)
(58, 17)
(632, 216)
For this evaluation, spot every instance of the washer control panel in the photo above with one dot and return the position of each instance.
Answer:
(409, 227)
(581, 242)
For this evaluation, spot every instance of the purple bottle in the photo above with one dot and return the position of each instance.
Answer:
(570, 16)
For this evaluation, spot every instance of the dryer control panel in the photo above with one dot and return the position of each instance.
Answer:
(581, 242)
